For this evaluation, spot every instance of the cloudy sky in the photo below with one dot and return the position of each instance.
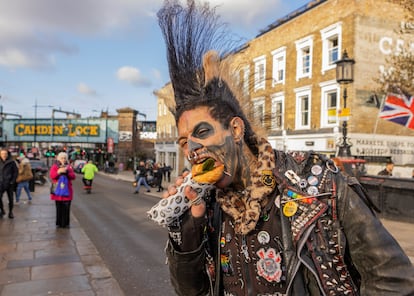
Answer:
(85, 56)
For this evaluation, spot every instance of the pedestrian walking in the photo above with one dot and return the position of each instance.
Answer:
(158, 173)
(141, 177)
(8, 176)
(62, 170)
(167, 170)
(88, 172)
(25, 174)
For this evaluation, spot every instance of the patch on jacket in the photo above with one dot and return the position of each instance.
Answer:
(269, 265)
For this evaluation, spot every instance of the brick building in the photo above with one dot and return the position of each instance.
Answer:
(288, 74)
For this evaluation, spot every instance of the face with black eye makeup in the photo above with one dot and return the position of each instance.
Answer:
(200, 132)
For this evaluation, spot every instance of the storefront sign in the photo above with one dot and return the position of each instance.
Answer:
(399, 148)
(69, 130)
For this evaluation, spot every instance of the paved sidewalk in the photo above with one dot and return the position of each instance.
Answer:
(39, 259)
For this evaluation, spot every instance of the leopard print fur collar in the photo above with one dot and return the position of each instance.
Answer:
(245, 207)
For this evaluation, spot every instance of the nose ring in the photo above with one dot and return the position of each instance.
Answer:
(192, 156)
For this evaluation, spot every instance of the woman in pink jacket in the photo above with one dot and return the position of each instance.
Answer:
(59, 168)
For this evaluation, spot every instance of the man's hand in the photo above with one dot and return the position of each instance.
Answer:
(197, 210)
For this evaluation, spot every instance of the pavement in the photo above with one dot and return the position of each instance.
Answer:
(39, 259)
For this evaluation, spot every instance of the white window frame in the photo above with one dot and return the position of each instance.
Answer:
(301, 93)
(237, 78)
(246, 82)
(160, 107)
(279, 66)
(278, 98)
(301, 46)
(259, 72)
(329, 56)
(327, 88)
(259, 103)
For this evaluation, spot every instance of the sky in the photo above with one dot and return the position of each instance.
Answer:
(88, 56)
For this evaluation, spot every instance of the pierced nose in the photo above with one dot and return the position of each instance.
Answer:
(192, 156)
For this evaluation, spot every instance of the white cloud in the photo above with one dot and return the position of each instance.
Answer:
(86, 90)
(133, 76)
(32, 32)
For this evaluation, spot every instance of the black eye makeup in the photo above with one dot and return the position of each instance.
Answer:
(203, 130)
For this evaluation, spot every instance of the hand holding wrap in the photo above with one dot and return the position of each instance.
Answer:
(169, 209)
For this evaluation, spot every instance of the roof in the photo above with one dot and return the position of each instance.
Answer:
(291, 16)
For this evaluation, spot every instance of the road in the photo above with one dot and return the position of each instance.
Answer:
(132, 246)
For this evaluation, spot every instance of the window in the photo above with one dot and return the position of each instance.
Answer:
(237, 77)
(259, 111)
(259, 72)
(332, 50)
(246, 74)
(304, 58)
(303, 112)
(331, 46)
(279, 66)
(329, 103)
(277, 111)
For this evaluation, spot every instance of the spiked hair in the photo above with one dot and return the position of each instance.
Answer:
(199, 76)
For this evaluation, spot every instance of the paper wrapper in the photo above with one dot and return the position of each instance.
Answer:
(168, 210)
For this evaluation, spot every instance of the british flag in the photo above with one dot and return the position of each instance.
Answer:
(399, 108)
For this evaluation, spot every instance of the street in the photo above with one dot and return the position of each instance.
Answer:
(132, 246)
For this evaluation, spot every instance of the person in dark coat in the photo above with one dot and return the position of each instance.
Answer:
(387, 171)
(167, 170)
(8, 171)
(141, 177)
(157, 170)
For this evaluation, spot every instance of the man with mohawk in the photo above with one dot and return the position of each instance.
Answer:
(275, 223)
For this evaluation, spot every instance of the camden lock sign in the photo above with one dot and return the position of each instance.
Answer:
(60, 130)
(69, 130)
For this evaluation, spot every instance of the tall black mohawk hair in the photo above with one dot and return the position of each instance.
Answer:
(199, 76)
(190, 32)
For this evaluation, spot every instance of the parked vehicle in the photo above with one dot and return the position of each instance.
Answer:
(40, 170)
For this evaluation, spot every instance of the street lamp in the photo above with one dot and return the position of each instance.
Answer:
(345, 75)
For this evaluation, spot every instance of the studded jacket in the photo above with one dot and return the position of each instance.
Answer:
(329, 243)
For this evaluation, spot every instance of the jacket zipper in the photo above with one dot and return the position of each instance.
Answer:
(247, 260)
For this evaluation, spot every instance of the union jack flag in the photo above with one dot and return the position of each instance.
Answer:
(399, 108)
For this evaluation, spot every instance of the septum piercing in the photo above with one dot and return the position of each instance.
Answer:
(192, 156)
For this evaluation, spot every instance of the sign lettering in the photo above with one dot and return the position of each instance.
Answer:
(69, 130)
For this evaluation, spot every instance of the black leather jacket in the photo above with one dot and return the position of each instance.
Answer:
(341, 247)
(9, 174)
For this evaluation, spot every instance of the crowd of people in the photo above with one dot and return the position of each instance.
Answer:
(16, 174)
(149, 175)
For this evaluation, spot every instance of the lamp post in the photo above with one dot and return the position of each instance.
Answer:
(344, 76)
